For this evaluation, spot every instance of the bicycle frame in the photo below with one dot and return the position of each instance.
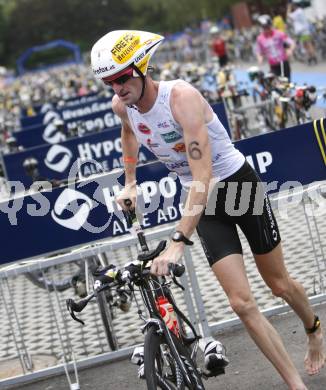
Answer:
(152, 287)
(149, 296)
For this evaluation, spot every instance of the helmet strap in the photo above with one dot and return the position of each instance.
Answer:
(143, 78)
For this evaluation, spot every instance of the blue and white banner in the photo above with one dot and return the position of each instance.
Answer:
(66, 113)
(76, 100)
(296, 154)
(87, 212)
(50, 134)
(94, 153)
(68, 216)
(220, 111)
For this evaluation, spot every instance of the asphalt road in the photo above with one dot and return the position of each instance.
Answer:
(248, 369)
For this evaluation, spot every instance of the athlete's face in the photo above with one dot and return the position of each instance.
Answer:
(130, 91)
(267, 29)
(127, 87)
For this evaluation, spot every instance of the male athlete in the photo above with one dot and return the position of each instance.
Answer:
(177, 124)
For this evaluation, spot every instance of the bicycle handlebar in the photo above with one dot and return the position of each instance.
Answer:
(128, 273)
(124, 275)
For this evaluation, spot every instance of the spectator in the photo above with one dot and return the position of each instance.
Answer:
(302, 29)
(275, 46)
(218, 46)
(278, 21)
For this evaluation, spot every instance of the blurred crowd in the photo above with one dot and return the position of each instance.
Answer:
(55, 85)
(217, 39)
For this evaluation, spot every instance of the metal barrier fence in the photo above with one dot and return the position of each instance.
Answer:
(35, 324)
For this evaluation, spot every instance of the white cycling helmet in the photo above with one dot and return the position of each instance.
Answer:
(118, 51)
(265, 20)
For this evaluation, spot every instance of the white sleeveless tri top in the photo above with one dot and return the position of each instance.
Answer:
(157, 130)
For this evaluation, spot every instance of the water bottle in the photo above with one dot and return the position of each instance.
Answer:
(168, 314)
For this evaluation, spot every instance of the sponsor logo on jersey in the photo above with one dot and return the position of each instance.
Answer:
(164, 157)
(163, 125)
(176, 165)
(179, 147)
(170, 137)
(151, 144)
(144, 129)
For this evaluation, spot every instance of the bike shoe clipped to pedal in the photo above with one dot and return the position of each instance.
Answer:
(215, 358)
(138, 359)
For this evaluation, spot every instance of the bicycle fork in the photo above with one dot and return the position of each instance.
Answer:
(182, 361)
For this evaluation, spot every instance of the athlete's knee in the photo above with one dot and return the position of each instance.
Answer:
(281, 288)
(243, 305)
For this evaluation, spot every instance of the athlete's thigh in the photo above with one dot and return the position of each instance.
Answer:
(219, 238)
(260, 226)
(231, 273)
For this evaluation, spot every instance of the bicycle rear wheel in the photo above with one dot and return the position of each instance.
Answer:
(161, 368)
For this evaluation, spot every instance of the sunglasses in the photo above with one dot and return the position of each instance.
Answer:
(119, 80)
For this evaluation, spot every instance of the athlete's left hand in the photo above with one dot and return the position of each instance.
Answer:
(172, 254)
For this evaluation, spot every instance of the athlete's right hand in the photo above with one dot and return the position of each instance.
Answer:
(128, 192)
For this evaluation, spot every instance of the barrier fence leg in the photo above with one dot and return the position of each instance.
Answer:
(63, 317)
(203, 323)
(189, 302)
(22, 352)
(304, 203)
(55, 319)
(321, 244)
(75, 385)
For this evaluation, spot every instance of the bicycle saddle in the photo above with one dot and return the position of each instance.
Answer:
(150, 255)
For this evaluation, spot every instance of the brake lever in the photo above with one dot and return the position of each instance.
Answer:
(73, 307)
(176, 282)
(173, 276)
(72, 314)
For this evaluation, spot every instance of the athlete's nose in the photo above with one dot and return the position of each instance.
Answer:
(116, 87)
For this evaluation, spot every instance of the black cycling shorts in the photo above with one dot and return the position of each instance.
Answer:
(238, 200)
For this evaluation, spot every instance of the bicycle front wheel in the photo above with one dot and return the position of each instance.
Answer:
(107, 320)
(162, 370)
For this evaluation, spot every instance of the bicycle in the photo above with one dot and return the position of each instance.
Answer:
(305, 97)
(169, 352)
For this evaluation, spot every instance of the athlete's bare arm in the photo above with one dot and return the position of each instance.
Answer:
(130, 148)
(191, 111)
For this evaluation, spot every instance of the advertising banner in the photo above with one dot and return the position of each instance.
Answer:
(66, 112)
(41, 108)
(50, 134)
(94, 153)
(86, 212)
